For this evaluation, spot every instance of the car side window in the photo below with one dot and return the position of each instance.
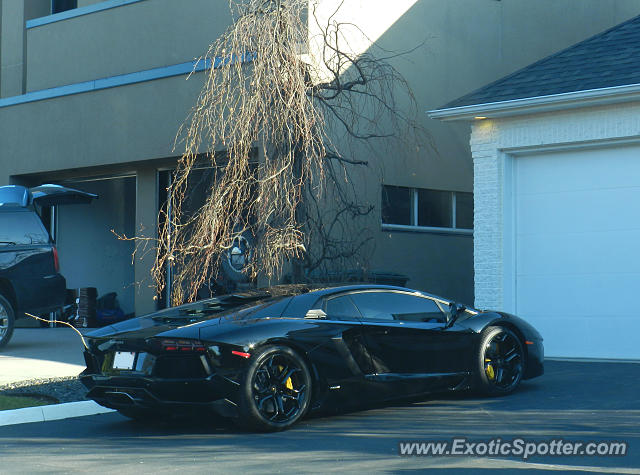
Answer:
(22, 227)
(341, 308)
(397, 306)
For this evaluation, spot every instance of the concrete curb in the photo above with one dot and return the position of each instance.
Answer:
(52, 412)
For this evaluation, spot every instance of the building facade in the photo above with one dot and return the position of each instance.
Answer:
(557, 164)
(92, 94)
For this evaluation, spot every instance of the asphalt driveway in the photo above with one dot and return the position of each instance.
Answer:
(573, 401)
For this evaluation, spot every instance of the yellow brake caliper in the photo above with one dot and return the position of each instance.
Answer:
(489, 369)
(288, 383)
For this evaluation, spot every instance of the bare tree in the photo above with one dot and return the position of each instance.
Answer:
(285, 107)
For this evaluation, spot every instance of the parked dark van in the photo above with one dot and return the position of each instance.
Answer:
(30, 280)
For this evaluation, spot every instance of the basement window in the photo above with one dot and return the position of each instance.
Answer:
(421, 209)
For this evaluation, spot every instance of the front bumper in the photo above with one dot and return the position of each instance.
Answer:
(535, 360)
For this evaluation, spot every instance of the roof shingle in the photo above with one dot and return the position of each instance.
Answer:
(608, 59)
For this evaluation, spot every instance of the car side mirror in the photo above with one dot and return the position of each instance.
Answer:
(455, 310)
(316, 314)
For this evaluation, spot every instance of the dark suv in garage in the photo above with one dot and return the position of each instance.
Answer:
(29, 271)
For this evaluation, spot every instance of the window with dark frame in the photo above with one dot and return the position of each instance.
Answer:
(396, 205)
(426, 209)
(464, 210)
(434, 208)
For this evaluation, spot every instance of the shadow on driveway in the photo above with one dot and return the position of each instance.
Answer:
(574, 401)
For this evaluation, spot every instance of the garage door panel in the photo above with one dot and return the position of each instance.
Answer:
(597, 337)
(580, 211)
(578, 170)
(557, 253)
(594, 294)
(577, 250)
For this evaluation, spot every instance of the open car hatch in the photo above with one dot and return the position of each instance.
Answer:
(52, 195)
(43, 195)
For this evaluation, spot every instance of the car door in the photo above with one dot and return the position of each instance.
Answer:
(26, 258)
(341, 308)
(407, 336)
(27, 254)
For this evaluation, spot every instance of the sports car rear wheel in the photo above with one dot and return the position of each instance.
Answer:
(276, 390)
(501, 361)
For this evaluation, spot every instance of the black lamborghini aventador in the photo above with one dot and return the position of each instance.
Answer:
(268, 357)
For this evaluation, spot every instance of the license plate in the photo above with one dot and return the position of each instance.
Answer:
(123, 360)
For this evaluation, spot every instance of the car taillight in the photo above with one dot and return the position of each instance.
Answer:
(183, 346)
(56, 261)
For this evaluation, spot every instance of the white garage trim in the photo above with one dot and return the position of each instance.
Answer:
(495, 145)
(548, 103)
(509, 234)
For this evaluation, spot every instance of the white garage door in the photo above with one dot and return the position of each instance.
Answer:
(577, 250)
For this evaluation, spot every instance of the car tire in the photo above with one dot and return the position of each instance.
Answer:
(234, 270)
(275, 392)
(500, 361)
(7, 321)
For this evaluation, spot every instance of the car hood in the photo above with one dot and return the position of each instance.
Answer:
(140, 328)
(158, 323)
(187, 320)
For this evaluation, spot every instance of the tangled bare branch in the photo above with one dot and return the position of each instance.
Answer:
(275, 121)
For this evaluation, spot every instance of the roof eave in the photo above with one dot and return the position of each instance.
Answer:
(532, 105)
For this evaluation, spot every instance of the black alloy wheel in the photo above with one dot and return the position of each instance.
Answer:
(276, 390)
(7, 321)
(501, 361)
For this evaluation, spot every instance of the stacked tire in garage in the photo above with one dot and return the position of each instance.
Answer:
(87, 297)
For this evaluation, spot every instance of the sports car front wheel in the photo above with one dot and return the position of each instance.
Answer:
(500, 361)
(276, 390)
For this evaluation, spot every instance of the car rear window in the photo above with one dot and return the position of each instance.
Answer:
(22, 227)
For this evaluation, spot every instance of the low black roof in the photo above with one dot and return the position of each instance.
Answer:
(608, 59)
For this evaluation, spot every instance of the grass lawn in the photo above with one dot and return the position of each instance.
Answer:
(17, 402)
